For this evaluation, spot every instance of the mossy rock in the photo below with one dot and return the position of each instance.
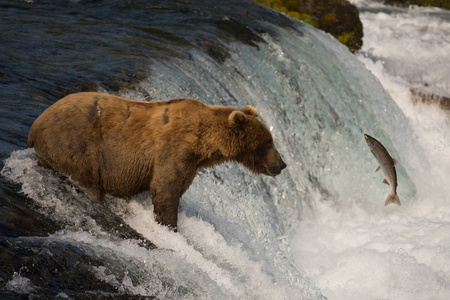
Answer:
(340, 18)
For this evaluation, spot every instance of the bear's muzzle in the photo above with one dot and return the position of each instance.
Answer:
(276, 167)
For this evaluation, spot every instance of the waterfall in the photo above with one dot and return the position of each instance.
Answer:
(237, 230)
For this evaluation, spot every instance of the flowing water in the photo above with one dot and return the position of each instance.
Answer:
(394, 252)
(320, 229)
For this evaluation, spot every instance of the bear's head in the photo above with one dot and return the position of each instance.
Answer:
(252, 144)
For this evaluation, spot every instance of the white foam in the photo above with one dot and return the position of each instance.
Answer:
(413, 43)
(199, 244)
(395, 252)
(162, 273)
(399, 255)
(20, 284)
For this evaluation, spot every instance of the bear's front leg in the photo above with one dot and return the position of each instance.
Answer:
(167, 188)
(165, 208)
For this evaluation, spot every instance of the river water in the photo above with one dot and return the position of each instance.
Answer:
(320, 229)
(394, 252)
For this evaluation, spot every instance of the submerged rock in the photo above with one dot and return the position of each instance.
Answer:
(432, 99)
(47, 268)
(17, 216)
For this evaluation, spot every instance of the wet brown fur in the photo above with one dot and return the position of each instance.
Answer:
(123, 147)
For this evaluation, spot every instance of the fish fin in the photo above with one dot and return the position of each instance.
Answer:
(392, 199)
(395, 161)
(385, 181)
(378, 169)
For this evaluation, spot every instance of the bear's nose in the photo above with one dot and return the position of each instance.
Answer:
(283, 165)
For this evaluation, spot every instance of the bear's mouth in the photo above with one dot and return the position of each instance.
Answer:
(272, 172)
(274, 169)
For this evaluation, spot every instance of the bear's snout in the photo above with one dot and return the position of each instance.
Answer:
(277, 166)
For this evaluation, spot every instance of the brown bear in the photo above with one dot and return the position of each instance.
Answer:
(124, 147)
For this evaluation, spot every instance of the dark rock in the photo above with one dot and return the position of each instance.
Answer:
(50, 266)
(17, 217)
(441, 101)
(340, 18)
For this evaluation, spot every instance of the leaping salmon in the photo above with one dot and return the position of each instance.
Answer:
(386, 164)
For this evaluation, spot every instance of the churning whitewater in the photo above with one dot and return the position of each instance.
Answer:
(352, 252)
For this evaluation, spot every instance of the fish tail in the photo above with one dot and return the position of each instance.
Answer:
(392, 198)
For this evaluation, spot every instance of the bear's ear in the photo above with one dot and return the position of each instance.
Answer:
(237, 117)
(250, 110)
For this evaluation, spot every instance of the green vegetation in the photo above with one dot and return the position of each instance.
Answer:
(292, 9)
